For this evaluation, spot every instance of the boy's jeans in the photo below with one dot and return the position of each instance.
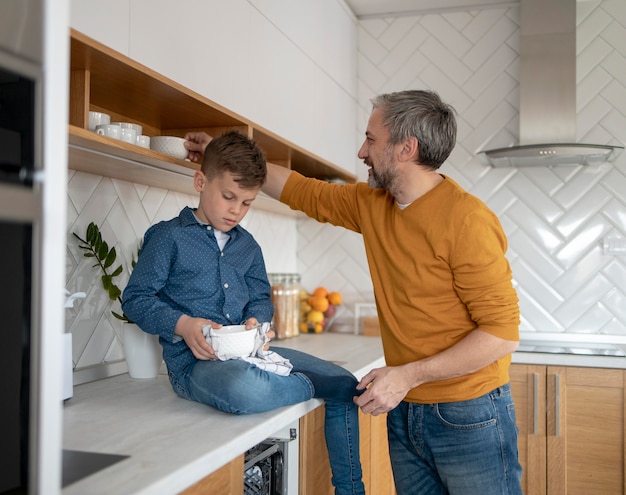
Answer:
(238, 387)
(456, 448)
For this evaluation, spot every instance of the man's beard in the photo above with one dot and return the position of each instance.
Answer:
(383, 178)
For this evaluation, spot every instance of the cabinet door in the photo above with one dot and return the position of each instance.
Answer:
(585, 431)
(227, 479)
(377, 475)
(528, 386)
(314, 466)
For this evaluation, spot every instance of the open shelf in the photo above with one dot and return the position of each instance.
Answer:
(104, 80)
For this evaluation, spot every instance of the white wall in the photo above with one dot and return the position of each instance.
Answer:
(287, 66)
(556, 219)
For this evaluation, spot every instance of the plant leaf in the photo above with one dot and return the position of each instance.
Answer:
(117, 271)
(97, 242)
(92, 233)
(121, 317)
(110, 258)
(114, 292)
(103, 250)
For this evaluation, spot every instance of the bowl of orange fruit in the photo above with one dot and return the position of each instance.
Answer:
(318, 309)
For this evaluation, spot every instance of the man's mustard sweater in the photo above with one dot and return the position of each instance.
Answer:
(438, 269)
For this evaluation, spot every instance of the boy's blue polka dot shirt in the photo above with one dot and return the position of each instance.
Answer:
(181, 270)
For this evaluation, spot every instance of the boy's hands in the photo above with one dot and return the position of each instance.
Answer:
(190, 329)
(253, 322)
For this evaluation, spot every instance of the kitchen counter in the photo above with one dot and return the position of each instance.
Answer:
(173, 443)
(572, 349)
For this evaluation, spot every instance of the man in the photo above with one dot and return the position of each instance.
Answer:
(448, 312)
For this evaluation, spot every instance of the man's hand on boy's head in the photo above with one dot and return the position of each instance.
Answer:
(190, 329)
(196, 142)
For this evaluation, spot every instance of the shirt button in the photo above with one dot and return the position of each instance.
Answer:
(225, 286)
(221, 253)
(208, 227)
(228, 315)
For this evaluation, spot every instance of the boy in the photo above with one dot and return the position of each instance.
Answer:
(202, 268)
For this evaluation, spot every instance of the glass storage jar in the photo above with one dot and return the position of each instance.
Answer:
(286, 300)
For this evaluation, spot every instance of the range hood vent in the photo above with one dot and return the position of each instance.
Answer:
(548, 93)
(547, 155)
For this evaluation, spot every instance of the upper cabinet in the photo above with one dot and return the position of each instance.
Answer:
(104, 80)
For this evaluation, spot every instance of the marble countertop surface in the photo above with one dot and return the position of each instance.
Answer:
(173, 443)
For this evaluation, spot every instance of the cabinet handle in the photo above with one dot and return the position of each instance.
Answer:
(535, 403)
(557, 405)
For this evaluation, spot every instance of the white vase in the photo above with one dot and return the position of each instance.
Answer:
(143, 352)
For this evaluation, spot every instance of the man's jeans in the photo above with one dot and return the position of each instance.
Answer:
(456, 448)
(238, 387)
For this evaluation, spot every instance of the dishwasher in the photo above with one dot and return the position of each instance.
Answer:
(271, 467)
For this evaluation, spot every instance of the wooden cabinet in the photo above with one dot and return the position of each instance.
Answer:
(104, 80)
(571, 423)
(314, 466)
(227, 479)
(377, 475)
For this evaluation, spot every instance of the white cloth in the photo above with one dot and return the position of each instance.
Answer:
(266, 360)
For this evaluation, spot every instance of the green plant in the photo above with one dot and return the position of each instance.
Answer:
(96, 247)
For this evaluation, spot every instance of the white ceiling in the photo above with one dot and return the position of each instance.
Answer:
(364, 9)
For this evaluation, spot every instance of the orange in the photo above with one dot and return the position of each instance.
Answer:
(320, 291)
(335, 298)
(318, 328)
(318, 303)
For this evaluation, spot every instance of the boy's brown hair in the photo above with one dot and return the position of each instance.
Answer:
(235, 153)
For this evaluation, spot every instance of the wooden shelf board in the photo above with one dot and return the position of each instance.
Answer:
(94, 154)
(89, 152)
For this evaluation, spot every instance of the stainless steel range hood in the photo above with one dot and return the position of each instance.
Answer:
(548, 92)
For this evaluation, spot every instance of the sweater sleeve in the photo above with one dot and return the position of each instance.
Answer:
(332, 203)
(483, 277)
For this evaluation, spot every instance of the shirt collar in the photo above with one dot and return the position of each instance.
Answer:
(188, 218)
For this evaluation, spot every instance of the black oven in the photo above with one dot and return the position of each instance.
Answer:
(20, 215)
(17, 127)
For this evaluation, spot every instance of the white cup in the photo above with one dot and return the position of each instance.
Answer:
(129, 135)
(127, 125)
(109, 130)
(98, 118)
(143, 141)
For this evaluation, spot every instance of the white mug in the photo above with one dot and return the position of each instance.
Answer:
(109, 130)
(129, 135)
(98, 118)
(124, 125)
(143, 141)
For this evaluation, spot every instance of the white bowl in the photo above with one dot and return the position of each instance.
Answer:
(231, 341)
(169, 145)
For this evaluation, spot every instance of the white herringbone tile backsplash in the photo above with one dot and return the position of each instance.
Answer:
(556, 219)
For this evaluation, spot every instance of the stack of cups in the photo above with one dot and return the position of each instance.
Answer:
(129, 131)
(124, 131)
